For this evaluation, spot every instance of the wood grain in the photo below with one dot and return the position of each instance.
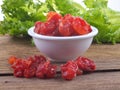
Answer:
(14, 46)
(106, 77)
(94, 81)
(105, 56)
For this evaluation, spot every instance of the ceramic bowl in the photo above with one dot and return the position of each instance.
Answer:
(61, 49)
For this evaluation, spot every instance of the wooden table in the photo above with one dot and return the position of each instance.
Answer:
(106, 77)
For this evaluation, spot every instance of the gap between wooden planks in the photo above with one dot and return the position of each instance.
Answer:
(93, 81)
(106, 57)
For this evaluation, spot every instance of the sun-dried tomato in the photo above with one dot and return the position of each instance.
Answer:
(85, 64)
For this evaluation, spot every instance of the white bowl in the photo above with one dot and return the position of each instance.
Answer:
(61, 49)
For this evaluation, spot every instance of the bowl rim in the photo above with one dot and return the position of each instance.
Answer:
(39, 36)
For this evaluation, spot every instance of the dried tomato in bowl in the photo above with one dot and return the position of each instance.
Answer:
(58, 25)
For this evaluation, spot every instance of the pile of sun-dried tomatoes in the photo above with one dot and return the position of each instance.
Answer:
(39, 66)
(58, 25)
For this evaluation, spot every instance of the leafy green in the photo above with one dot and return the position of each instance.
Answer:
(106, 20)
(96, 3)
(22, 14)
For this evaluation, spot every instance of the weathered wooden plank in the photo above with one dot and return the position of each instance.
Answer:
(11, 46)
(94, 81)
(105, 56)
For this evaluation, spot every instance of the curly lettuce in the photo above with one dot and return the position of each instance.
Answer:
(19, 15)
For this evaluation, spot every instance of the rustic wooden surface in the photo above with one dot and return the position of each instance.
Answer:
(94, 81)
(106, 76)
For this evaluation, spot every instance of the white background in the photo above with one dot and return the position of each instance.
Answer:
(113, 4)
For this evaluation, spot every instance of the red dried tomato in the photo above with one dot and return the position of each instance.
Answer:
(41, 67)
(68, 70)
(81, 26)
(65, 25)
(46, 70)
(56, 25)
(85, 64)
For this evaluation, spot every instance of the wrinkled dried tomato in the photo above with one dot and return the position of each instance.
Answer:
(56, 25)
(41, 67)
(69, 70)
(85, 64)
